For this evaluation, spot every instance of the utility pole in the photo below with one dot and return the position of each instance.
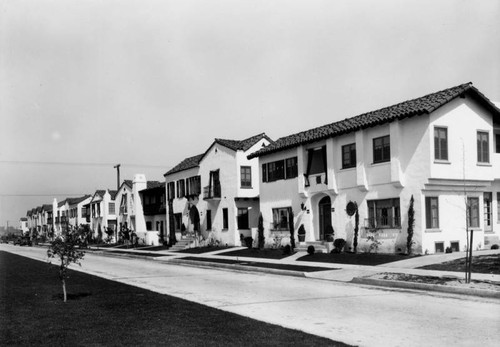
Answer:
(117, 167)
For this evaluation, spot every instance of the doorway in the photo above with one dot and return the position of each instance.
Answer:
(325, 216)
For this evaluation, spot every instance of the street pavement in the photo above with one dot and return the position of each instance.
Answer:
(342, 311)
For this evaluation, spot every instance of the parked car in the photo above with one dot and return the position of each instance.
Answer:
(23, 241)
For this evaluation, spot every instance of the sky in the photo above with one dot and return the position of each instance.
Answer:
(86, 85)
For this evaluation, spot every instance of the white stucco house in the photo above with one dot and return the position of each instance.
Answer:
(215, 195)
(443, 149)
(102, 212)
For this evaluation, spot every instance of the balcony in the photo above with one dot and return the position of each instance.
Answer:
(212, 192)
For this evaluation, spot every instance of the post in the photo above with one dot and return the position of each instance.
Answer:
(470, 255)
(117, 167)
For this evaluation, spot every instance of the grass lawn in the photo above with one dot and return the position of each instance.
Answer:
(291, 267)
(267, 253)
(100, 312)
(354, 258)
(201, 250)
(488, 264)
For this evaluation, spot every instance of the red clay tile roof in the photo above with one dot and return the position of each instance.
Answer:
(243, 145)
(186, 164)
(75, 201)
(406, 109)
(235, 145)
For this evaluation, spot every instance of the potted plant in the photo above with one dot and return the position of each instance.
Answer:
(301, 233)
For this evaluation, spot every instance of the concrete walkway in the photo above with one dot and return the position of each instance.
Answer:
(340, 272)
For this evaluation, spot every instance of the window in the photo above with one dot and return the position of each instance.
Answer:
(149, 226)
(280, 169)
(316, 161)
(483, 149)
(242, 218)
(473, 212)
(439, 246)
(487, 203)
(193, 185)
(246, 177)
(214, 187)
(455, 246)
(432, 212)
(280, 218)
(497, 143)
(171, 190)
(291, 170)
(498, 208)
(349, 156)
(225, 219)
(440, 143)
(381, 149)
(181, 188)
(111, 208)
(384, 213)
(209, 219)
(178, 221)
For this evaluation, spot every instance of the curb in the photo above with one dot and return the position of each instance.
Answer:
(427, 287)
(237, 267)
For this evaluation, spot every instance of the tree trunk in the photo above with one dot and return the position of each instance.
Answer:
(64, 289)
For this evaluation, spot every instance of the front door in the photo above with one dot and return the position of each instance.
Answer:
(325, 216)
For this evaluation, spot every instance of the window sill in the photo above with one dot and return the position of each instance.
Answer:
(224, 230)
(484, 164)
(433, 230)
(350, 168)
(278, 230)
(246, 187)
(381, 163)
(474, 229)
(439, 161)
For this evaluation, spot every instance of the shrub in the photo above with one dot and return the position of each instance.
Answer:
(495, 246)
(260, 230)
(339, 245)
(411, 224)
(448, 250)
(287, 250)
(310, 250)
(248, 242)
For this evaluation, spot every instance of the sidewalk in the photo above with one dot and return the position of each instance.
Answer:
(333, 271)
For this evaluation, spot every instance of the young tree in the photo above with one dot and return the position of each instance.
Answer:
(67, 251)
(411, 224)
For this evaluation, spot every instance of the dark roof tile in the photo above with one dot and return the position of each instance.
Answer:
(406, 109)
(186, 164)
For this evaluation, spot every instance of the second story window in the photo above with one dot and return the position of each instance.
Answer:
(171, 191)
(111, 207)
(291, 170)
(193, 185)
(246, 176)
(381, 149)
(497, 143)
(440, 143)
(349, 156)
(483, 147)
(280, 169)
(180, 188)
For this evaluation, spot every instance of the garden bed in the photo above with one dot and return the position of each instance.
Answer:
(289, 267)
(354, 258)
(488, 264)
(266, 253)
(201, 250)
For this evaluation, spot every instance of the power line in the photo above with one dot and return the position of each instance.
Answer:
(62, 163)
(34, 195)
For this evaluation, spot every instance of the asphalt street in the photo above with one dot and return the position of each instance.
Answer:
(354, 314)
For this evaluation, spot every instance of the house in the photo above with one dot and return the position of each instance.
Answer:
(153, 199)
(102, 212)
(23, 225)
(215, 195)
(47, 220)
(442, 149)
(77, 210)
(142, 209)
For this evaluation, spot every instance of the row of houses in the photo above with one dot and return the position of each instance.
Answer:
(135, 206)
(353, 179)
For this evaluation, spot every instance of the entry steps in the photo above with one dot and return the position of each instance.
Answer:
(319, 246)
(182, 244)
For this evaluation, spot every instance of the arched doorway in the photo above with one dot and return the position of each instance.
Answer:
(325, 216)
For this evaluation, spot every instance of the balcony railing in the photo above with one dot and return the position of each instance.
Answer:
(212, 192)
